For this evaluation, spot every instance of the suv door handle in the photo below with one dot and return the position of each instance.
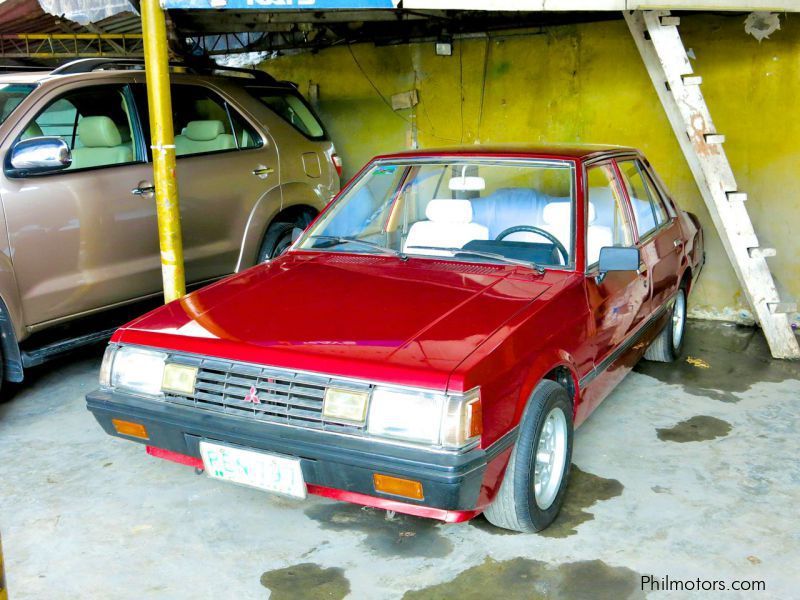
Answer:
(262, 172)
(677, 243)
(143, 190)
(642, 270)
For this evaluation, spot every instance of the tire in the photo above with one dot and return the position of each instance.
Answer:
(277, 239)
(668, 344)
(519, 505)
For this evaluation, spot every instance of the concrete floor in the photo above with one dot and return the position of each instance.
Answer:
(687, 471)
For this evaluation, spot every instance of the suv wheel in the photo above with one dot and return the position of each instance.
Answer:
(276, 241)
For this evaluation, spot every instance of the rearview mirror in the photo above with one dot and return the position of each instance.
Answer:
(39, 155)
(617, 258)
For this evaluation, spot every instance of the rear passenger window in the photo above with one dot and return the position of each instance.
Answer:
(607, 223)
(205, 123)
(95, 123)
(648, 210)
(292, 109)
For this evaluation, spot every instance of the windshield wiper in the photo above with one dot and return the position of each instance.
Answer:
(336, 239)
(481, 253)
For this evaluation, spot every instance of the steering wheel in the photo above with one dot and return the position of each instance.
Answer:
(538, 230)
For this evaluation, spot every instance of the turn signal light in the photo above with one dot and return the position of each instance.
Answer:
(397, 486)
(474, 419)
(136, 430)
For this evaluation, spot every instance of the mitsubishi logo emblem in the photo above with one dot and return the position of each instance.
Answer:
(252, 396)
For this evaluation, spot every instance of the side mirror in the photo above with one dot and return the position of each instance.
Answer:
(617, 258)
(39, 155)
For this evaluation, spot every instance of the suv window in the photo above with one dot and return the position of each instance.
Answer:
(648, 209)
(11, 94)
(95, 122)
(607, 222)
(291, 108)
(204, 123)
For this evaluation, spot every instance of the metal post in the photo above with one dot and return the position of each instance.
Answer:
(156, 61)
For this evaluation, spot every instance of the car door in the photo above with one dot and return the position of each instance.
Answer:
(658, 235)
(617, 299)
(79, 238)
(225, 164)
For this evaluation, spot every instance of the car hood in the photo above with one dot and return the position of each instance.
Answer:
(363, 316)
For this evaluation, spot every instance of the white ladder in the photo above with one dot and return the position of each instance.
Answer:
(656, 35)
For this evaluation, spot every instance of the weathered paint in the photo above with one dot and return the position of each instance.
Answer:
(586, 84)
(163, 146)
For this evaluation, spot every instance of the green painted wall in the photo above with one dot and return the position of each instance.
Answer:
(587, 84)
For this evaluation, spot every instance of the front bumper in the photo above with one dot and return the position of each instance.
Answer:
(336, 466)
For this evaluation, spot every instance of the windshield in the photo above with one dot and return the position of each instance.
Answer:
(11, 94)
(481, 210)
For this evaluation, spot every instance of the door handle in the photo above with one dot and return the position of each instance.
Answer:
(677, 243)
(263, 172)
(143, 190)
(642, 270)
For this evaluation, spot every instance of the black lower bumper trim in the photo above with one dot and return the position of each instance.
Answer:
(449, 481)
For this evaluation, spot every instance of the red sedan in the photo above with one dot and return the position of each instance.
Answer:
(428, 344)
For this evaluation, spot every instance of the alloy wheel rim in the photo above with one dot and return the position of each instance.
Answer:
(551, 454)
(678, 320)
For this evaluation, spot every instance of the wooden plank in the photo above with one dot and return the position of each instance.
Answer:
(664, 56)
(737, 196)
(761, 252)
(782, 307)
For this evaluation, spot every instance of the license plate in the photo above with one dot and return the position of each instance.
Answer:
(271, 472)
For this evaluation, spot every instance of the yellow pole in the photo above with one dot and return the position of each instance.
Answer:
(156, 64)
(3, 590)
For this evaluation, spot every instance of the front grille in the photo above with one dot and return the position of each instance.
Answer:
(283, 396)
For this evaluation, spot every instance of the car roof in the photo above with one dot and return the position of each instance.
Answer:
(580, 152)
(38, 77)
(24, 77)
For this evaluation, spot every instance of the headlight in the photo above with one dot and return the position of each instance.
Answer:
(451, 421)
(344, 404)
(138, 370)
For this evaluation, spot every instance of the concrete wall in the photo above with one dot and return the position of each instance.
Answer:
(587, 84)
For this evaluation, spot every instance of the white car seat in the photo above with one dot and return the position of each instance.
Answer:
(449, 225)
(557, 217)
(597, 237)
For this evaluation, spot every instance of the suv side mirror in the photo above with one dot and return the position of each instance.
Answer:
(38, 155)
(617, 258)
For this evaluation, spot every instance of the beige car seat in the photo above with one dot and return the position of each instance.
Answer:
(203, 136)
(101, 144)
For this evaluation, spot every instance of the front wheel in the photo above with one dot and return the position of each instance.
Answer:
(533, 487)
(669, 343)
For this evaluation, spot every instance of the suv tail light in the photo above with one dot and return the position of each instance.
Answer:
(337, 162)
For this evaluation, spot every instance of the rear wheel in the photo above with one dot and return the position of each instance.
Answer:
(533, 487)
(276, 241)
(669, 343)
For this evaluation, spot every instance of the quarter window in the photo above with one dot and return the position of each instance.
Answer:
(607, 222)
(95, 123)
(648, 210)
(292, 109)
(205, 123)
